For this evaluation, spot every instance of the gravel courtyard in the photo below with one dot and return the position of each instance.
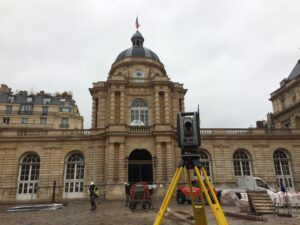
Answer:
(115, 213)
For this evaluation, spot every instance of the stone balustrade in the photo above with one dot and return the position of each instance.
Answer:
(206, 132)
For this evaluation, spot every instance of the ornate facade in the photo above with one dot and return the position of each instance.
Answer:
(133, 138)
(286, 101)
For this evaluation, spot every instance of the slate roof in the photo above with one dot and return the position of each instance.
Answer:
(137, 49)
(293, 75)
(295, 72)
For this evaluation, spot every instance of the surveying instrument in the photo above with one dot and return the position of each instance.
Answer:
(188, 134)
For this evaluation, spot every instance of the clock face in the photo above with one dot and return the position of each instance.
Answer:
(138, 74)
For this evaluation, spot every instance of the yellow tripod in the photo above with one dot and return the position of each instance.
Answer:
(205, 189)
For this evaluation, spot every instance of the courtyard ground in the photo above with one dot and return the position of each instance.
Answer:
(115, 213)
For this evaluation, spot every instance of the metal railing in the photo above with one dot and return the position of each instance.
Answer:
(31, 112)
(26, 125)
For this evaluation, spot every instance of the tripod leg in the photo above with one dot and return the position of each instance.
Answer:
(215, 207)
(198, 210)
(168, 196)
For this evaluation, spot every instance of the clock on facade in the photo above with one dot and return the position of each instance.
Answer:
(138, 74)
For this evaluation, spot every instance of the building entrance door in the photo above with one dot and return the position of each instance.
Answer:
(140, 168)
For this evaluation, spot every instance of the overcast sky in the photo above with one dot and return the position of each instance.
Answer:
(230, 55)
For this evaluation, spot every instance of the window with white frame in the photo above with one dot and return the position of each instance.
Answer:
(205, 162)
(74, 173)
(29, 174)
(241, 163)
(283, 169)
(26, 109)
(139, 113)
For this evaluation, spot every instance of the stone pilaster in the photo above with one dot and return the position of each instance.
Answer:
(122, 163)
(94, 112)
(167, 107)
(170, 161)
(112, 108)
(110, 164)
(122, 107)
(157, 119)
(101, 112)
(159, 163)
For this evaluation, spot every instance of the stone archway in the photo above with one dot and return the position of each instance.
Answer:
(140, 166)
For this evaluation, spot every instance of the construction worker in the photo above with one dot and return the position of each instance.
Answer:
(93, 190)
(127, 193)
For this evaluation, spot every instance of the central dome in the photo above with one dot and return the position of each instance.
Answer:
(137, 49)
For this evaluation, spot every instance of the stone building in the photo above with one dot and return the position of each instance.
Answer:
(39, 110)
(286, 101)
(133, 138)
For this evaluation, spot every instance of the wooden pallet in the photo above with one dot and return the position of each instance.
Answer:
(260, 202)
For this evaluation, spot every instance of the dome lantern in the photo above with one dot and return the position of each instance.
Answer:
(137, 49)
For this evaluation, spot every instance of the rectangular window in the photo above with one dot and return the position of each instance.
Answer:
(44, 110)
(24, 121)
(26, 109)
(6, 120)
(66, 109)
(8, 109)
(43, 121)
(64, 123)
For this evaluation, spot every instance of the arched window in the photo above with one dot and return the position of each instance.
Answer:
(206, 163)
(74, 175)
(241, 163)
(28, 176)
(283, 168)
(139, 112)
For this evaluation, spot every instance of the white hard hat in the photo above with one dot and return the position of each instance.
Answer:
(92, 182)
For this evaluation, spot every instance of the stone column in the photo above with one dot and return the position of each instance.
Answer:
(112, 107)
(170, 161)
(122, 163)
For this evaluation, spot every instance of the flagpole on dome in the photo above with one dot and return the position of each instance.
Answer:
(137, 25)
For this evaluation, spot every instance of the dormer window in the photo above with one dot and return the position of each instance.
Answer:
(46, 101)
(29, 99)
(11, 98)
